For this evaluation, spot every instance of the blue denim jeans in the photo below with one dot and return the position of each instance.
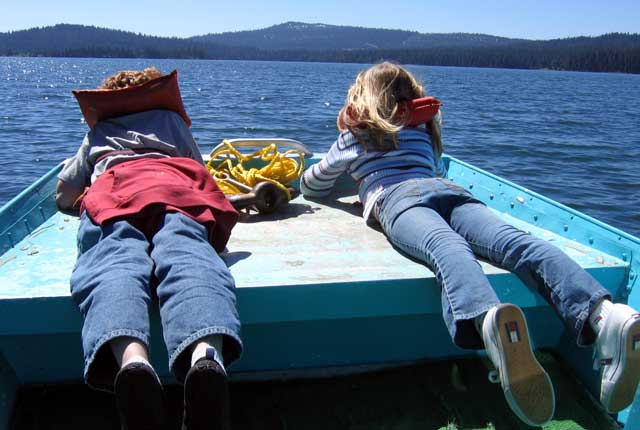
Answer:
(443, 225)
(120, 272)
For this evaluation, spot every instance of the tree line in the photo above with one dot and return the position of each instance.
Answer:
(615, 52)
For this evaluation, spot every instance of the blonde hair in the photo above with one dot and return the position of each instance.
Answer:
(374, 106)
(130, 78)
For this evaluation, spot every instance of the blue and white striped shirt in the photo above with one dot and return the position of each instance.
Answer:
(373, 170)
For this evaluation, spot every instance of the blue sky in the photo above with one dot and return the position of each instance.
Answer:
(540, 19)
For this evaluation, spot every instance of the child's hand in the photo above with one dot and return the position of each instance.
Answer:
(78, 201)
(69, 196)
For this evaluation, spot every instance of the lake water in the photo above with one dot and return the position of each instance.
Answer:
(573, 137)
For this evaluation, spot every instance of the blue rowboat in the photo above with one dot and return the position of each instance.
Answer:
(318, 292)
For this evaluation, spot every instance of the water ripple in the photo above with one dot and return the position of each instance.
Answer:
(574, 137)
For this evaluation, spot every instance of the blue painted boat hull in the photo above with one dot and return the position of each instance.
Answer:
(303, 311)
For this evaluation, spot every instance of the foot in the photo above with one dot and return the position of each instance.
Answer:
(206, 396)
(618, 350)
(139, 397)
(527, 387)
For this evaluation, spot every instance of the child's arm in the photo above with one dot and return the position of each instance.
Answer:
(74, 179)
(319, 179)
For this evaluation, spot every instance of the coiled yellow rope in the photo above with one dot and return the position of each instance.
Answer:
(281, 169)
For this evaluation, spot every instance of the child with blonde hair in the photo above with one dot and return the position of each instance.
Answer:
(152, 222)
(397, 166)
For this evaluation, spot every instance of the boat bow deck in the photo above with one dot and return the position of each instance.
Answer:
(306, 243)
(317, 288)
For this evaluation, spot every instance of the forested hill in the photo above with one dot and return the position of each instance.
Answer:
(294, 41)
(322, 37)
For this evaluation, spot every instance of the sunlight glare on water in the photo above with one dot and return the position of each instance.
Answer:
(573, 137)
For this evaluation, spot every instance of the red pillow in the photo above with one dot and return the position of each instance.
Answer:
(422, 110)
(159, 93)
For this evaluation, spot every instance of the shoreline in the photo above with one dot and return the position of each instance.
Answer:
(541, 69)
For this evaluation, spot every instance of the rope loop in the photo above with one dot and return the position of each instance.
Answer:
(226, 166)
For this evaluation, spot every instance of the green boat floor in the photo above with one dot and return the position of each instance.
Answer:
(451, 395)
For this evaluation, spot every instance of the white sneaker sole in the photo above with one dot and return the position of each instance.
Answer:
(619, 390)
(527, 387)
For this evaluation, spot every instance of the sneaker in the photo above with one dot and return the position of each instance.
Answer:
(618, 351)
(139, 397)
(527, 387)
(206, 396)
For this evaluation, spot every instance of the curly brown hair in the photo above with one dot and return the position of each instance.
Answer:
(130, 78)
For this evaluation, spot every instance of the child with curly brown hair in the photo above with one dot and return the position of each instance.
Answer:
(152, 222)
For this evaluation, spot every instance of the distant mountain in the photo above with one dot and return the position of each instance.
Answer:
(318, 37)
(296, 41)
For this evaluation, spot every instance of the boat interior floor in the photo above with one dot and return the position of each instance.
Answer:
(444, 395)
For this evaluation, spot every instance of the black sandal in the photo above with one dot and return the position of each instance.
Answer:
(206, 397)
(139, 398)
